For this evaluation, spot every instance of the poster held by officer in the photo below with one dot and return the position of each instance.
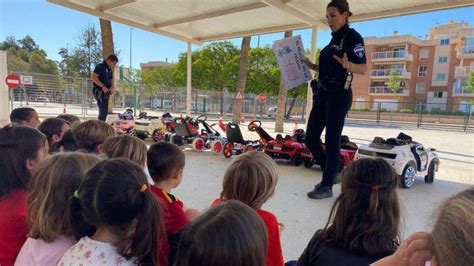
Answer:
(290, 54)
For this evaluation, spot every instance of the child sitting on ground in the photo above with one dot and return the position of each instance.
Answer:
(230, 234)
(251, 179)
(364, 222)
(166, 163)
(25, 116)
(54, 129)
(72, 119)
(90, 135)
(22, 149)
(116, 217)
(51, 187)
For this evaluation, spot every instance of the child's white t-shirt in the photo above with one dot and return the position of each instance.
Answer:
(91, 252)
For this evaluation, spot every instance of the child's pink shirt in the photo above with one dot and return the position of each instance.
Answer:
(38, 252)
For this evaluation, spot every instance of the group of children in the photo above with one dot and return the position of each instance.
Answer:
(101, 199)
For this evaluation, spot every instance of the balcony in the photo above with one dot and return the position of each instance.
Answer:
(466, 52)
(463, 72)
(384, 90)
(385, 73)
(391, 56)
(463, 91)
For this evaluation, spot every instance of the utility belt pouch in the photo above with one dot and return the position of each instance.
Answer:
(348, 80)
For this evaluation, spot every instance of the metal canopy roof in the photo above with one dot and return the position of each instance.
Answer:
(196, 21)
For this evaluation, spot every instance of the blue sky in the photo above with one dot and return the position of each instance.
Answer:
(53, 27)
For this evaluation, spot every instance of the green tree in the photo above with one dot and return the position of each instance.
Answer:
(263, 71)
(470, 82)
(393, 82)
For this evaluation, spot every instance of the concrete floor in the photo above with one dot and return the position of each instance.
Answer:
(302, 216)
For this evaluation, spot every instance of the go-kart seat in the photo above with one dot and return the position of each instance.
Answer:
(234, 134)
(181, 128)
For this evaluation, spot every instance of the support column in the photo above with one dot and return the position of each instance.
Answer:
(4, 110)
(188, 80)
(309, 98)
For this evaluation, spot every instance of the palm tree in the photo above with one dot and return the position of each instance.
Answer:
(282, 95)
(242, 78)
(107, 48)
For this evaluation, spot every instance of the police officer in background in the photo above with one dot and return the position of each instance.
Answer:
(332, 94)
(103, 78)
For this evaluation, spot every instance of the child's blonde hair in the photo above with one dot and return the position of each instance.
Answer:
(126, 146)
(92, 133)
(452, 240)
(51, 187)
(251, 179)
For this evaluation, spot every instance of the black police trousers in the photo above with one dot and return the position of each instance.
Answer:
(103, 105)
(329, 111)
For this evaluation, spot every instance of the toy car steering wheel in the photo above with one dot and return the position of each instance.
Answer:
(201, 118)
(254, 125)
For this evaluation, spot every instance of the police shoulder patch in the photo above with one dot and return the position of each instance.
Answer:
(359, 50)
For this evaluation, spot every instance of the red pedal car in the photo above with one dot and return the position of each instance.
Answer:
(347, 154)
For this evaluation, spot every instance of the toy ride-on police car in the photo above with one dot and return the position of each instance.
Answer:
(407, 157)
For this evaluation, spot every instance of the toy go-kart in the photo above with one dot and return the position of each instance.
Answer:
(149, 126)
(187, 131)
(213, 139)
(122, 123)
(289, 148)
(407, 157)
(236, 144)
(168, 121)
(347, 154)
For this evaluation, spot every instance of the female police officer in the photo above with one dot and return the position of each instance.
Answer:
(342, 57)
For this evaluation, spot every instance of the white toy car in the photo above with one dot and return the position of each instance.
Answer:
(407, 157)
(148, 126)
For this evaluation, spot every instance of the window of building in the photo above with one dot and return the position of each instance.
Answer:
(422, 71)
(444, 42)
(440, 76)
(424, 53)
(438, 94)
(442, 59)
(420, 87)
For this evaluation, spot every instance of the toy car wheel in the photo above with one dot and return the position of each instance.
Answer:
(216, 146)
(228, 148)
(158, 135)
(308, 163)
(407, 179)
(429, 178)
(297, 160)
(198, 144)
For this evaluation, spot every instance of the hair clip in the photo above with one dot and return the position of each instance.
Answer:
(144, 188)
(76, 194)
(375, 187)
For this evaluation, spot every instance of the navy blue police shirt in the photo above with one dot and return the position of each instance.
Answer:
(105, 75)
(345, 40)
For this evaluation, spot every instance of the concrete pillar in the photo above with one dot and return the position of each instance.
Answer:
(188, 80)
(4, 110)
(309, 101)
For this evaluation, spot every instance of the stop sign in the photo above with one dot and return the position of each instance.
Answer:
(13, 81)
(262, 97)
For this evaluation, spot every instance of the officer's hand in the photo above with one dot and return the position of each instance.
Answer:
(307, 62)
(344, 61)
(105, 90)
(112, 89)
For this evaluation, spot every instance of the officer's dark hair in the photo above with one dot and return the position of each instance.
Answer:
(21, 114)
(341, 5)
(112, 58)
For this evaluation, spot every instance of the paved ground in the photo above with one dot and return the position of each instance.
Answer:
(302, 216)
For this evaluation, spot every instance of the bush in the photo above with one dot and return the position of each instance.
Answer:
(405, 111)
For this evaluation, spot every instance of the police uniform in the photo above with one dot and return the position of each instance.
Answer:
(332, 99)
(105, 76)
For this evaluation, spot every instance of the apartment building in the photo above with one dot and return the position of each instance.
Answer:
(432, 71)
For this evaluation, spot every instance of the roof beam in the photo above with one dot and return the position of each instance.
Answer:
(210, 15)
(114, 5)
(412, 10)
(118, 19)
(253, 32)
(310, 21)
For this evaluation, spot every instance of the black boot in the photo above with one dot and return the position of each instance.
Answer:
(320, 192)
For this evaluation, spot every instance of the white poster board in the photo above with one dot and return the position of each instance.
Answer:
(290, 53)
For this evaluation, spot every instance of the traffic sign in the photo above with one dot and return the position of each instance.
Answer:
(26, 80)
(13, 81)
(239, 96)
(262, 97)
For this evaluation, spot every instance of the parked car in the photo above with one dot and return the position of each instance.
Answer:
(407, 157)
(271, 112)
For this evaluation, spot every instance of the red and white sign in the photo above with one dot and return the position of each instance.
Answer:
(13, 81)
(26, 80)
(239, 96)
(262, 97)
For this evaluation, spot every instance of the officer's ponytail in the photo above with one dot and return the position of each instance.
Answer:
(341, 5)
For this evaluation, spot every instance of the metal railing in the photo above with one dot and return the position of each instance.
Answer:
(461, 72)
(390, 55)
(463, 91)
(385, 73)
(466, 50)
(386, 90)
